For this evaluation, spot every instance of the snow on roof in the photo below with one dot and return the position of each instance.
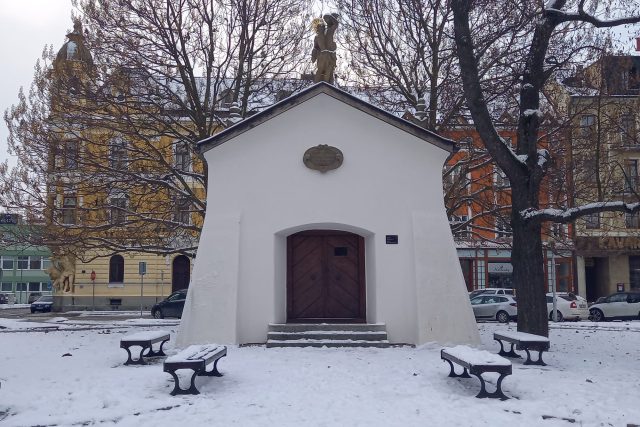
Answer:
(336, 93)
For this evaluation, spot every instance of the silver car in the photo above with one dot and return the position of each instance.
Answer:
(499, 307)
(622, 305)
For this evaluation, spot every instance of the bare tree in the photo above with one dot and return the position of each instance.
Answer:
(106, 141)
(543, 30)
(400, 52)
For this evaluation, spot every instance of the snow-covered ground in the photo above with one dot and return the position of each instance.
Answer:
(75, 376)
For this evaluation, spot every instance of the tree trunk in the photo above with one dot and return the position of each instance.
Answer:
(528, 272)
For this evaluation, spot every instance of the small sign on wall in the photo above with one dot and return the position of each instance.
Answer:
(619, 287)
(391, 239)
(142, 268)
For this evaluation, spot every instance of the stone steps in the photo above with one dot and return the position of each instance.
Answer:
(327, 335)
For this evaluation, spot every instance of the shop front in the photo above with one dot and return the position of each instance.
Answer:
(485, 267)
(608, 264)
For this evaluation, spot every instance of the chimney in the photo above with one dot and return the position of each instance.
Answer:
(638, 44)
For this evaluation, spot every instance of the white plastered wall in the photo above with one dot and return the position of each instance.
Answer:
(260, 192)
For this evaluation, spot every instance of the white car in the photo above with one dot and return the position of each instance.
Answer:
(568, 305)
(623, 305)
(499, 307)
(492, 291)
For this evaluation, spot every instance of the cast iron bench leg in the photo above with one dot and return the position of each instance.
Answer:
(496, 394)
(214, 371)
(453, 374)
(152, 353)
(176, 386)
(539, 362)
(140, 360)
(510, 353)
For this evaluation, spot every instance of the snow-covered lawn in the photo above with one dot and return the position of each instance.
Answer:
(592, 378)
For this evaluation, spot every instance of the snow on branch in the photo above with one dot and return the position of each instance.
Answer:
(559, 15)
(568, 215)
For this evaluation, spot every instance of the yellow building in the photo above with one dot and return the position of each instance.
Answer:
(604, 104)
(124, 197)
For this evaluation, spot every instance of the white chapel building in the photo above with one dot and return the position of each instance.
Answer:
(326, 209)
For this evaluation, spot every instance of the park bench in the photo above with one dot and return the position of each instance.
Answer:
(145, 340)
(477, 362)
(196, 358)
(523, 341)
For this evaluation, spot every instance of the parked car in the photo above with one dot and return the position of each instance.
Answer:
(170, 307)
(43, 304)
(621, 305)
(4, 299)
(500, 307)
(492, 291)
(33, 296)
(569, 306)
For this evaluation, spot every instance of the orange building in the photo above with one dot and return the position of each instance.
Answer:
(478, 200)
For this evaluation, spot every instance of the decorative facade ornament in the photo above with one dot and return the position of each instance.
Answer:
(324, 47)
(323, 158)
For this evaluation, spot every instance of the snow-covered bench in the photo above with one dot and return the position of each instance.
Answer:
(477, 362)
(145, 340)
(196, 358)
(523, 341)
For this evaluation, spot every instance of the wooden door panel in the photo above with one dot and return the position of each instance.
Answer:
(307, 274)
(325, 276)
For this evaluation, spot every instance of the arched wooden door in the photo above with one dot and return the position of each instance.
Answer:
(181, 273)
(325, 277)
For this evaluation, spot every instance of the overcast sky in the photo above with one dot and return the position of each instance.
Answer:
(26, 26)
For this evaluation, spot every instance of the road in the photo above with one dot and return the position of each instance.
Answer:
(24, 313)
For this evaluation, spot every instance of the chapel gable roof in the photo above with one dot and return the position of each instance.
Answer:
(336, 93)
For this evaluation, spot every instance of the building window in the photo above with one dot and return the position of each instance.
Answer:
(592, 221)
(631, 176)
(116, 269)
(503, 229)
(23, 262)
(634, 273)
(34, 286)
(454, 176)
(118, 214)
(628, 130)
(460, 232)
(183, 158)
(587, 125)
(226, 99)
(21, 287)
(500, 178)
(559, 231)
(46, 263)
(35, 263)
(632, 220)
(69, 204)
(6, 287)
(7, 262)
(70, 155)
(182, 212)
(118, 156)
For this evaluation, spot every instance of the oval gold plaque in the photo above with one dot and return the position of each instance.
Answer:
(323, 158)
